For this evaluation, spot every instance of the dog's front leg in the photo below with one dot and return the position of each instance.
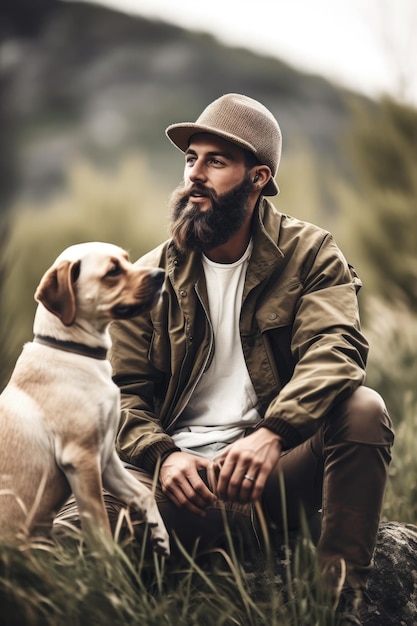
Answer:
(122, 485)
(82, 470)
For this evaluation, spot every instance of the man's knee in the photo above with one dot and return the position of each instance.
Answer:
(362, 418)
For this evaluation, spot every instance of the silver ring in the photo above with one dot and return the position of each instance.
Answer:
(249, 478)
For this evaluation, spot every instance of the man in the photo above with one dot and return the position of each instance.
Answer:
(250, 369)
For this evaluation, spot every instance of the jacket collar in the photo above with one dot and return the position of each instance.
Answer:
(266, 253)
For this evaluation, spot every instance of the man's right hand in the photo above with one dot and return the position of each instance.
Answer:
(181, 482)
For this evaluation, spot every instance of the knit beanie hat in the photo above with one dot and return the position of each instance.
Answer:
(241, 120)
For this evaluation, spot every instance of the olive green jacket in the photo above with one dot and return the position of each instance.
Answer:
(299, 327)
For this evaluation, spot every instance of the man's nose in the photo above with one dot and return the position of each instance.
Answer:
(197, 172)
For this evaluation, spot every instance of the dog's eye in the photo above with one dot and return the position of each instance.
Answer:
(115, 270)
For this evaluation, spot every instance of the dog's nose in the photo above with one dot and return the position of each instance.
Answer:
(158, 276)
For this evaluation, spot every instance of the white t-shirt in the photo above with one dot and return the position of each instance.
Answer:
(224, 403)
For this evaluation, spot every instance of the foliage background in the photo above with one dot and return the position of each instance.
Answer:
(85, 94)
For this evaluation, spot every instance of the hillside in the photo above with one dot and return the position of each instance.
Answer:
(92, 82)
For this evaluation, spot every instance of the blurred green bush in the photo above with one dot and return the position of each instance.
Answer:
(124, 206)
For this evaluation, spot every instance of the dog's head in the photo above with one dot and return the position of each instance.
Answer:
(96, 280)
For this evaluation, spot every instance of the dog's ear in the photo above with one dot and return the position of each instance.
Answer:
(56, 290)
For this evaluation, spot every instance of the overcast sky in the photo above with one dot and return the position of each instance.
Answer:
(368, 45)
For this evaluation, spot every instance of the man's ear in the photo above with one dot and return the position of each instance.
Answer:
(56, 290)
(260, 176)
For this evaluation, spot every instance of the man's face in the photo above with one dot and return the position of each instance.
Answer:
(212, 204)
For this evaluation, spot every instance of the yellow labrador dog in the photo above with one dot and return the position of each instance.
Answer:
(59, 412)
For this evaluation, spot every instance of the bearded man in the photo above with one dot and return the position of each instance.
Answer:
(248, 374)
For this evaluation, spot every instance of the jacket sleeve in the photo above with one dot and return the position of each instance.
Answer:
(328, 348)
(141, 439)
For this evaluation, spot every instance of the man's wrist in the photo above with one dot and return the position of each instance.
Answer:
(166, 453)
(152, 457)
(289, 436)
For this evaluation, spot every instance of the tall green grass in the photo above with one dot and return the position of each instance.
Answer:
(76, 579)
(67, 583)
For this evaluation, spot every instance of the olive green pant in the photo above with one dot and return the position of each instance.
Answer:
(341, 470)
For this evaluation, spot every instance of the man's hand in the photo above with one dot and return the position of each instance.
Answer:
(181, 482)
(244, 467)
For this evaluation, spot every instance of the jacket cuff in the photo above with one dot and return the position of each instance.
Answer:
(155, 452)
(289, 435)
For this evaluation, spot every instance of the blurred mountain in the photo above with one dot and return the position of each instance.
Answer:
(80, 80)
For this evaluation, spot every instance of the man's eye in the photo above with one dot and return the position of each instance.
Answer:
(115, 270)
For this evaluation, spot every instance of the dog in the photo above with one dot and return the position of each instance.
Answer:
(59, 412)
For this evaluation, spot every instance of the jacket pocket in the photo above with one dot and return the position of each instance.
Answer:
(279, 307)
(275, 318)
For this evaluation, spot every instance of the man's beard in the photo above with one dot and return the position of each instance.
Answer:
(194, 229)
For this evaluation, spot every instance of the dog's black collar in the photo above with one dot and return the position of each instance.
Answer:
(72, 346)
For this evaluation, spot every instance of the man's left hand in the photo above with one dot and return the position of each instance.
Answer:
(244, 467)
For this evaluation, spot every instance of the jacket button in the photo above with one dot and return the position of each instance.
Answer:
(272, 316)
(176, 262)
(183, 293)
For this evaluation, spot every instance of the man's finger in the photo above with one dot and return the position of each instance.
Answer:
(188, 490)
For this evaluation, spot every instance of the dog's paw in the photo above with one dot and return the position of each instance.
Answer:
(161, 546)
(159, 536)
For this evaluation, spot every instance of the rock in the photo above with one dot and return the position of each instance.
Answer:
(391, 595)
(392, 586)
